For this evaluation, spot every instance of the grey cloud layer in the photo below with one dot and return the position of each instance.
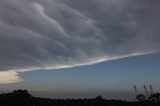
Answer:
(59, 33)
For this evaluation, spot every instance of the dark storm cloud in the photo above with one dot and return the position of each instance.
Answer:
(37, 34)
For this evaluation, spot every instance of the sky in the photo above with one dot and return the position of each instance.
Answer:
(77, 48)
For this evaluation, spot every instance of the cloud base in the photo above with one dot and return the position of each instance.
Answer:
(38, 34)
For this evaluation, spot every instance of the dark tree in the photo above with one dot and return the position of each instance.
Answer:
(155, 98)
(141, 97)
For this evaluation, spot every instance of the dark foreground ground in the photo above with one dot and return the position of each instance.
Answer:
(23, 98)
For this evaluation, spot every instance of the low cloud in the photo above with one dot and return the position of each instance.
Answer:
(49, 34)
(7, 77)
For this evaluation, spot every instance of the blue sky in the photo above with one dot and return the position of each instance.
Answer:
(111, 79)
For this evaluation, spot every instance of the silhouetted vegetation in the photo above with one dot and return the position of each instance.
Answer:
(23, 98)
(155, 98)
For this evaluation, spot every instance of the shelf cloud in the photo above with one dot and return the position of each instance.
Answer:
(49, 34)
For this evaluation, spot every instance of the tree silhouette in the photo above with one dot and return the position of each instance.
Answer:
(99, 97)
(141, 97)
(155, 98)
(21, 93)
(23, 98)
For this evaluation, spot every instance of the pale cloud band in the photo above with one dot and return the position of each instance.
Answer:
(49, 34)
(7, 77)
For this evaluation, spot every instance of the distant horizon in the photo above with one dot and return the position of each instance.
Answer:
(108, 91)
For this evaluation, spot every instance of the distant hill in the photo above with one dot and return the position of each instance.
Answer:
(24, 98)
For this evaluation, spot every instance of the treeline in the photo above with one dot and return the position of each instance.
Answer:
(23, 98)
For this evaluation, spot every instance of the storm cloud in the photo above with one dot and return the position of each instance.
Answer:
(49, 34)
